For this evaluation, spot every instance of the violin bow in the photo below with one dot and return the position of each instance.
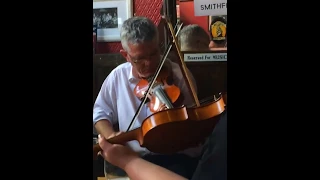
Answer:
(183, 64)
(134, 119)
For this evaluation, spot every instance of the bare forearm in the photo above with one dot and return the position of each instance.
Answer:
(140, 169)
(104, 127)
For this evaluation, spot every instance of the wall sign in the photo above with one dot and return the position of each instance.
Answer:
(210, 7)
(188, 57)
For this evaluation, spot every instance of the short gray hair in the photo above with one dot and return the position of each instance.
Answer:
(137, 30)
(191, 34)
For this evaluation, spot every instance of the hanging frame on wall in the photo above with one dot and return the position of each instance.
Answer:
(211, 18)
(108, 16)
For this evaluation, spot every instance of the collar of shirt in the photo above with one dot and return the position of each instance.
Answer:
(131, 78)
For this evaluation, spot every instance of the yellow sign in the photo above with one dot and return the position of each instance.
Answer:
(218, 30)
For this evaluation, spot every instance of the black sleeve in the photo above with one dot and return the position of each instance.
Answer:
(213, 163)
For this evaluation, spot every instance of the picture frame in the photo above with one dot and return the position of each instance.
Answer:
(210, 19)
(108, 17)
(217, 27)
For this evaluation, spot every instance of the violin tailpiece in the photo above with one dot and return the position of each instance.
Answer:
(163, 97)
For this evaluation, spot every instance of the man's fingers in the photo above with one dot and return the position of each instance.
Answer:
(101, 154)
(104, 144)
(118, 133)
(100, 139)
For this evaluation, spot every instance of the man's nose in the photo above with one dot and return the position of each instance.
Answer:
(148, 61)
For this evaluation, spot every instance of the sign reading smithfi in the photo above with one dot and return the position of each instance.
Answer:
(210, 7)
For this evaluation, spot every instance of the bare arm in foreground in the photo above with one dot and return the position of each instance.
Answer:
(135, 167)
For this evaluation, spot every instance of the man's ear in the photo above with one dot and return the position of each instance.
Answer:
(124, 54)
(211, 44)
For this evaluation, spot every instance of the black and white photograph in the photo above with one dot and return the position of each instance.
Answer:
(108, 17)
(105, 18)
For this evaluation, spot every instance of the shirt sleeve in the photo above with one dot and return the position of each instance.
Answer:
(213, 163)
(105, 105)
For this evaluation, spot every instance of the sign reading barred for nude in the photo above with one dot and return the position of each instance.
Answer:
(210, 7)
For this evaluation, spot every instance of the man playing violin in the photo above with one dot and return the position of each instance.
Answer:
(116, 103)
(212, 165)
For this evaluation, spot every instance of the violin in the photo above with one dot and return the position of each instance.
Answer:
(163, 95)
(172, 130)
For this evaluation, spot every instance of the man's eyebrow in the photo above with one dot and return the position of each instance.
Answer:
(143, 56)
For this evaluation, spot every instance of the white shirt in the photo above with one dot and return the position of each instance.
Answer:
(117, 103)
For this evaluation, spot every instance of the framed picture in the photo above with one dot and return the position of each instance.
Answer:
(108, 17)
(211, 18)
